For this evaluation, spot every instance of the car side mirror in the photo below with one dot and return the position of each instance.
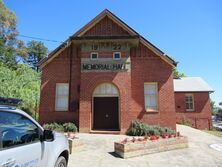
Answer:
(48, 136)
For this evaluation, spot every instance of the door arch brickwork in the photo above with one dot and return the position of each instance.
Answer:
(89, 82)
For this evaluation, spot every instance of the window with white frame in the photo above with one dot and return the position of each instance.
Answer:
(189, 102)
(116, 55)
(94, 56)
(151, 96)
(62, 97)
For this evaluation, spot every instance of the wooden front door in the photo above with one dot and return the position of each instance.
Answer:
(105, 113)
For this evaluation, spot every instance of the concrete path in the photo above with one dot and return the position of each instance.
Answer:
(98, 152)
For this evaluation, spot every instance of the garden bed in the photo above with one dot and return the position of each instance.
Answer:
(75, 145)
(148, 145)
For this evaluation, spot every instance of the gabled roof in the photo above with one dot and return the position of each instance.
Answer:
(99, 17)
(93, 22)
(191, 84)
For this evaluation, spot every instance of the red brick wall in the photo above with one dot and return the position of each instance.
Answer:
(122, 82)
(145, 67)
(103, 54)
(106, 27)
(58, 71)
(201, 116)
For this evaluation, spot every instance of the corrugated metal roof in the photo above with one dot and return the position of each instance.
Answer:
(191, 84)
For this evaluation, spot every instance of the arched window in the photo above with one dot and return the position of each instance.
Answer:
(106, 89)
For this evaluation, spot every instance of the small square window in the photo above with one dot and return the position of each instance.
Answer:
(116, 55)
(94, 56)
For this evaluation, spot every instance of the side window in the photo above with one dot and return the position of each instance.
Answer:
(15, 130)
(62, 97)
(189, 102)
(151, 96)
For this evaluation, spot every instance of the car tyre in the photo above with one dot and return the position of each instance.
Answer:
(61, 162)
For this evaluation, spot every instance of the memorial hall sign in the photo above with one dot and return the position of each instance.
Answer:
(105, 65)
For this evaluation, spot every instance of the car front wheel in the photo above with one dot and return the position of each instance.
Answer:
(61, 162)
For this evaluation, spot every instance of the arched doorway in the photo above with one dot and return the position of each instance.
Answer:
(105, 107)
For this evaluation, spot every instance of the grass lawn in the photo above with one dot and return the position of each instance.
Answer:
(214, 132)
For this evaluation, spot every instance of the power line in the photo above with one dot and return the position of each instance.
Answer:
(41, 39)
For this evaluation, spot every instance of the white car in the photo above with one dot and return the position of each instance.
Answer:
(24, 143)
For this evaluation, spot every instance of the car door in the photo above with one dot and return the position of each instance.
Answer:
(20, 144)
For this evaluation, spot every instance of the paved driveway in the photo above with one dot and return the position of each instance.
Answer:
(98, 152)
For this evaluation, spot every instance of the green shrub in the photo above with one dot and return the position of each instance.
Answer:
(138, 129)
(69, 127)
(169, 131)
(161, 130)
(66, 127)
(20, 82)
(54, 126)
(141, 129)
(47, 126)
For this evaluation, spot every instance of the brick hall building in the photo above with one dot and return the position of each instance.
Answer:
(106, 75)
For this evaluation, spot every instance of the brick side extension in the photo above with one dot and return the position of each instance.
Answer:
(200, 118)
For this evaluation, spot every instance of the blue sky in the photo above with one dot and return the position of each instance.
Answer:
(190, 31)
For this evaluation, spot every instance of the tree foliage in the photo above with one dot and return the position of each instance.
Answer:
(215, 109)
(10, 46)
(23, 83)
(36, 51)
(18, 80)
(178, 74)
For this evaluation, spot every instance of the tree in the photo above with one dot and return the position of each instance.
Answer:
(212, 104)
(36, 51)
(22, 83)
(10, 46)
(18, 80)
(213, 107)
(178, 74)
